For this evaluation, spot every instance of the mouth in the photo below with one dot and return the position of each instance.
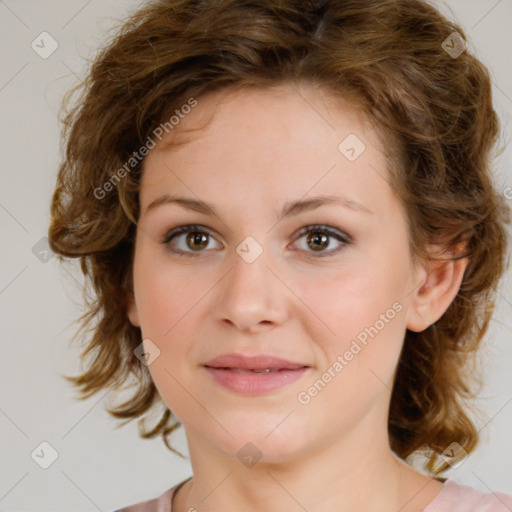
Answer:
(259, 363)
(254, 375)
(240, 370)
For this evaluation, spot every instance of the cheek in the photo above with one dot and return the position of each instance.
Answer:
(351, 300)
(168, 298)
(364, 311)
(165, 294)
(359, 360)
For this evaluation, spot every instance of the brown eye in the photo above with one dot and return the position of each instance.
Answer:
(318, 239)
(196, 240)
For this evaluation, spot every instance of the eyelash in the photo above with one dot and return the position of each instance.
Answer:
(191, 228)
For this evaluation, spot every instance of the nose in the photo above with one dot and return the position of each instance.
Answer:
(251, 297)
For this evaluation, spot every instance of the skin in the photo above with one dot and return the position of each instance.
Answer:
(260, 149)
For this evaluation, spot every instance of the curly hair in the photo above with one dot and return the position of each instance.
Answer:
(433, 109)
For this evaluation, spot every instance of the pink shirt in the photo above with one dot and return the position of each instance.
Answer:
(452, 498)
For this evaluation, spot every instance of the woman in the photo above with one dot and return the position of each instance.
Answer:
(287, 216)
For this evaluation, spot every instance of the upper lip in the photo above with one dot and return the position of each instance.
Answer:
(259, 362)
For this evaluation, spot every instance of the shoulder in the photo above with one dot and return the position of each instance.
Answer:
(461, 498)
(160, 504)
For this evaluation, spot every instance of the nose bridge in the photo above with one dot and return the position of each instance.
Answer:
(250, 277)
(251, 292)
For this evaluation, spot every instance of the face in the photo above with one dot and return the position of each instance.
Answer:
(325, 287)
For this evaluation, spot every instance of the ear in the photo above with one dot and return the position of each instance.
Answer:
(440, 283)
(133, 314)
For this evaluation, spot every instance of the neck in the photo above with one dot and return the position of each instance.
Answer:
(346, 477)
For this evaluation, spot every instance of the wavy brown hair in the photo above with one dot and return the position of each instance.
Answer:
(432, 109)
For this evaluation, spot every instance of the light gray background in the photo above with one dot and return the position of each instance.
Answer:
(100, 467)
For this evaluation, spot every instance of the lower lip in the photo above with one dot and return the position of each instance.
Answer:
(252, 384)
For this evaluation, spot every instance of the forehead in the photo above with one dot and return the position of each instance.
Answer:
(278, 105)
(281, 141)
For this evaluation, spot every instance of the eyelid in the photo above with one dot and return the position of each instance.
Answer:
(334, 232)
(185, 229)
(331, 232)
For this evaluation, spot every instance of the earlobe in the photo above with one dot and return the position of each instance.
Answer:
(437, 291)
(132, 312)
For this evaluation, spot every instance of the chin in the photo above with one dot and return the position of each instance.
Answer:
(262, 441)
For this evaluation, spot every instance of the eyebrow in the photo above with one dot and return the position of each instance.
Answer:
(289, 209)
